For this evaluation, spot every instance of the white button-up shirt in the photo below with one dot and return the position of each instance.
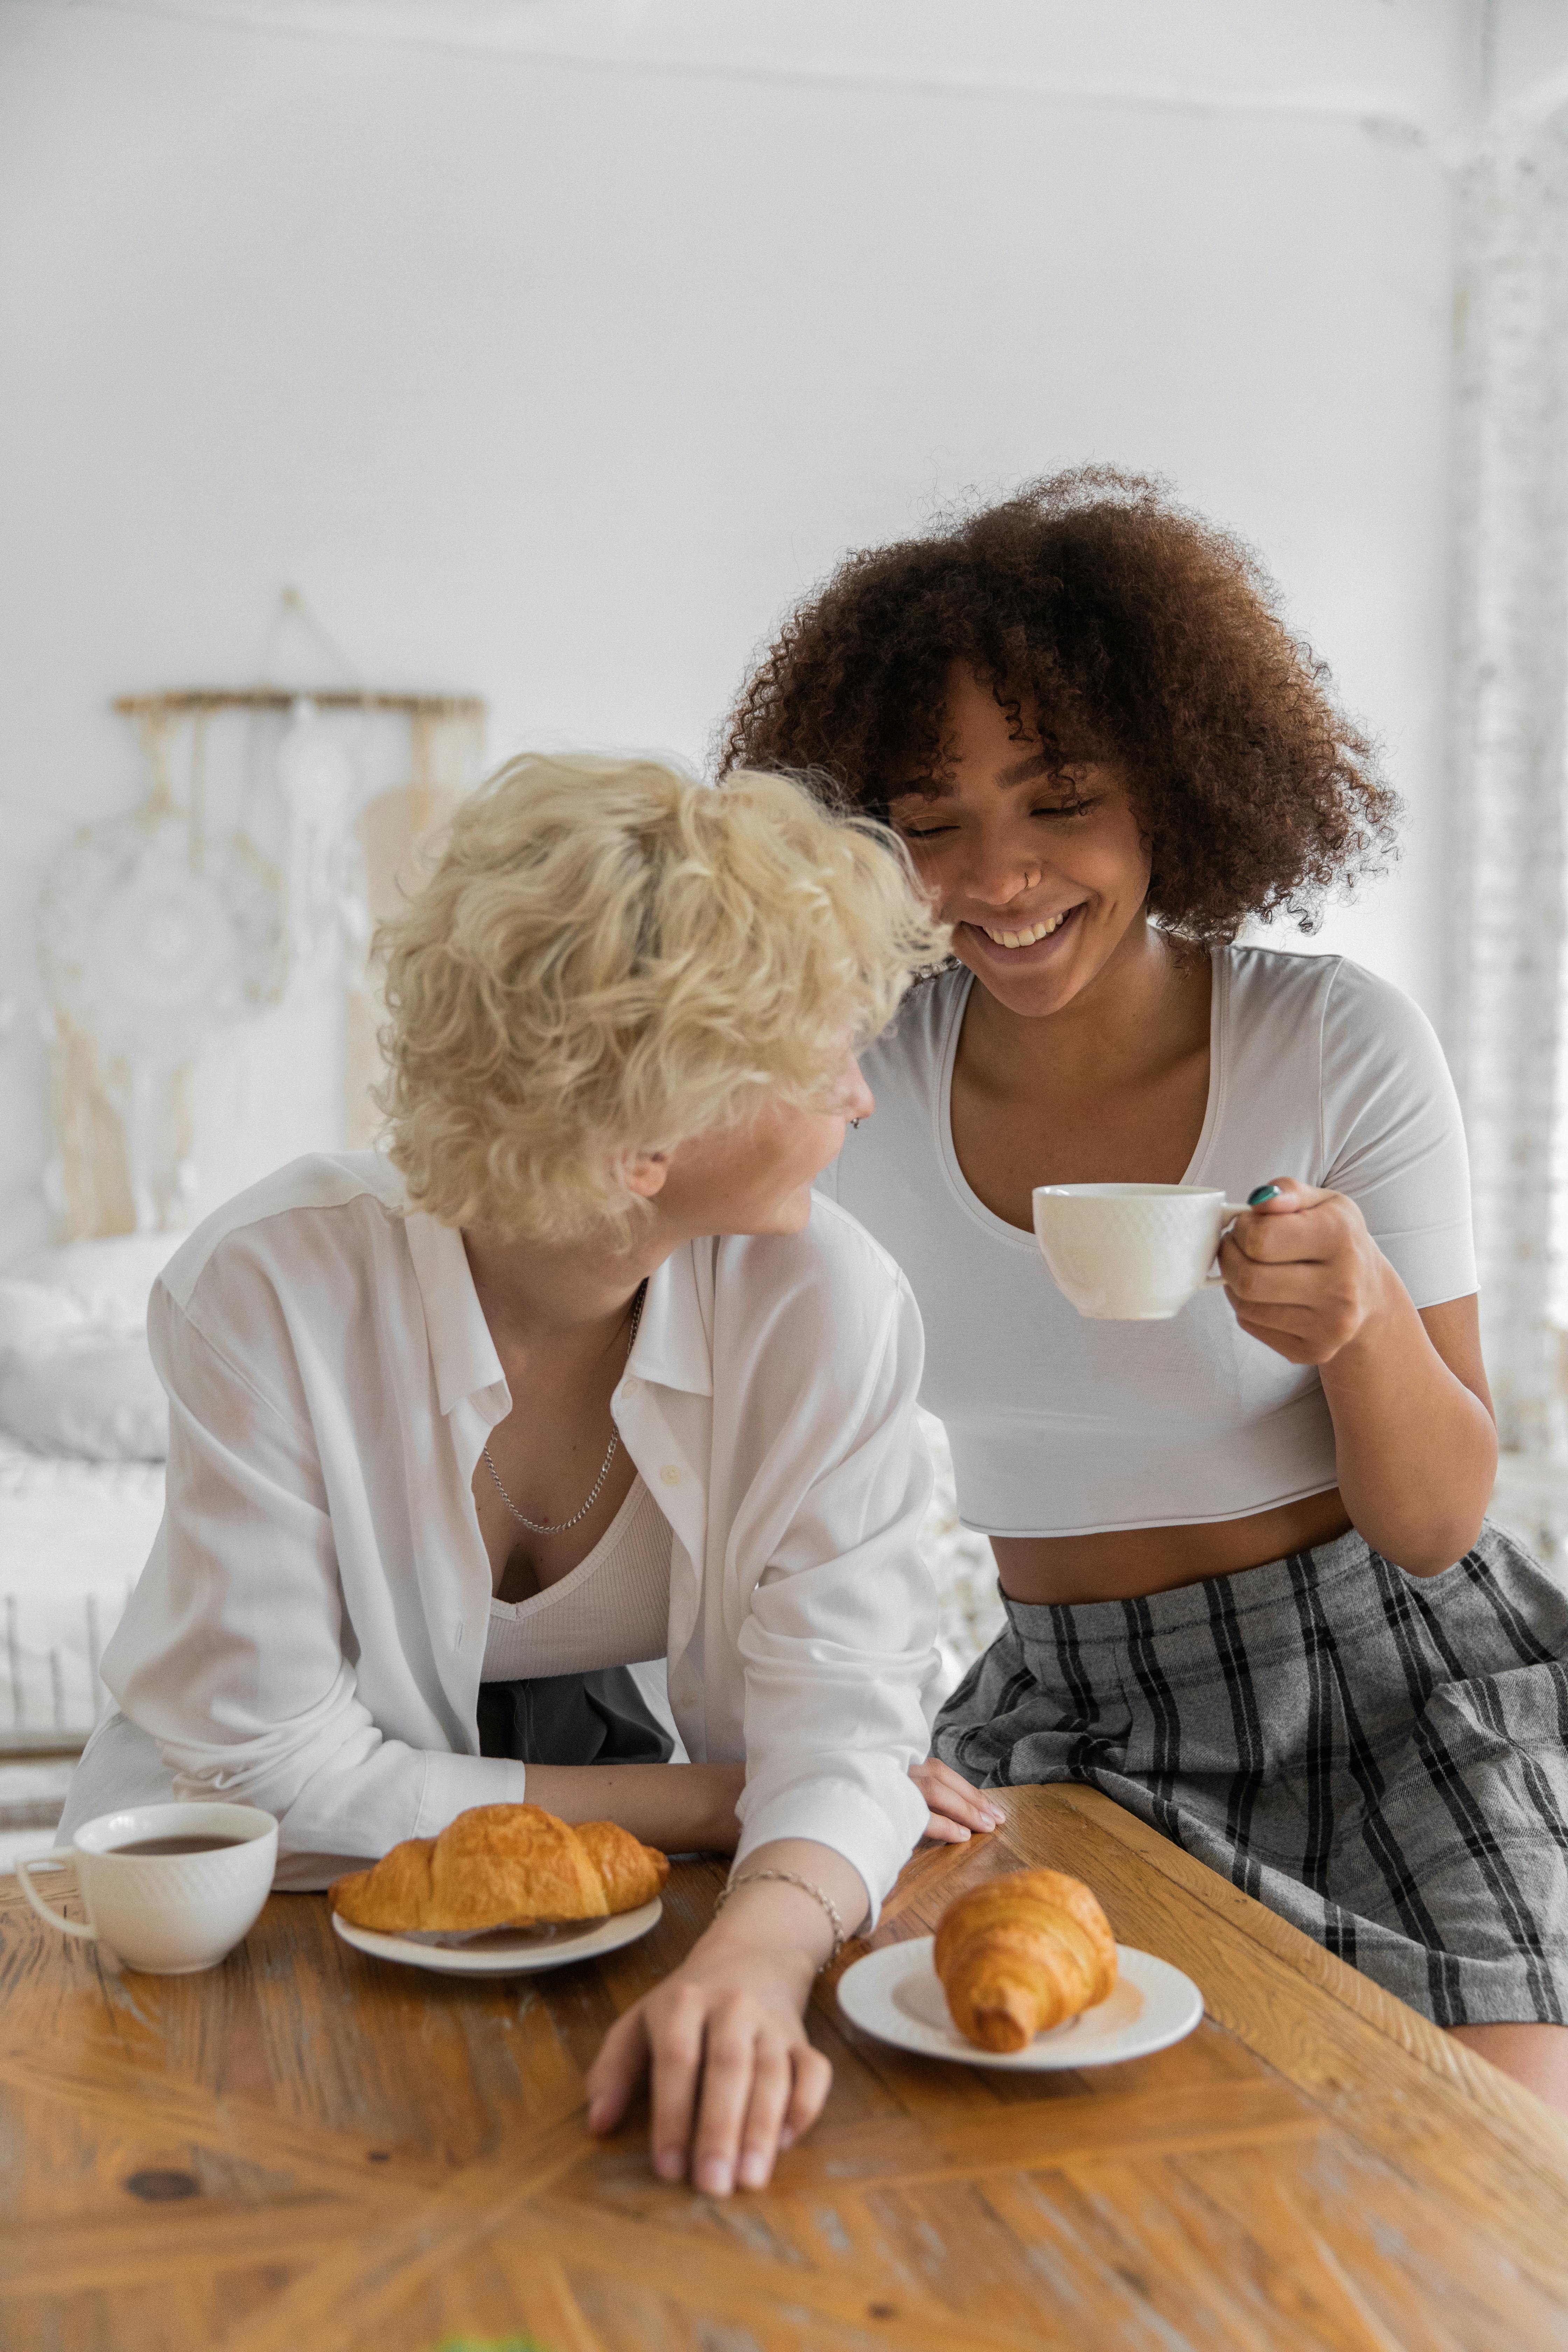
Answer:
(308, 1632)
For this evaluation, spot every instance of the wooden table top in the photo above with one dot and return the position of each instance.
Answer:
(308, 2151)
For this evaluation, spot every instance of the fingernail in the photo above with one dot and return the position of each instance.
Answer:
(753, 2171)
(1264, 1193)
(786, 2139)
(960, 1828)
(598, 2114)
(715, 2176)
(669, 2164)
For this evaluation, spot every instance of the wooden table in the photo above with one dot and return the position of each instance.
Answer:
(307, 2151)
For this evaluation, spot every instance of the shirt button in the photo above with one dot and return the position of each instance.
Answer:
(670, 1474)
(630, 1385)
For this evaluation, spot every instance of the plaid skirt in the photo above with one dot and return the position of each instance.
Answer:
(1382, 1758)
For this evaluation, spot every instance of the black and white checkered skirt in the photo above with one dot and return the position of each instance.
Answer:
(1382, 1758)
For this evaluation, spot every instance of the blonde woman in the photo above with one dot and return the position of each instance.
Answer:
(566, 1382)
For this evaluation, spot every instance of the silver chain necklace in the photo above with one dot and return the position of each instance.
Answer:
(542, 1526)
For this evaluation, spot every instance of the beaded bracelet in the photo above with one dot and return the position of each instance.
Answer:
(789, 1879)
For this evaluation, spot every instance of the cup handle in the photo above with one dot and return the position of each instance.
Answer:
(1231, 1211)
(47, 1910)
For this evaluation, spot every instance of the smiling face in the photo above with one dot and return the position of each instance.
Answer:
(1043, 876)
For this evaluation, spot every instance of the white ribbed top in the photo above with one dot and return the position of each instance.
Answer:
(612, 1610)
(1061, 1424)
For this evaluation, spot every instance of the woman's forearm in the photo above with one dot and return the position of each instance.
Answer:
(1416, 1449)
(681, 1808)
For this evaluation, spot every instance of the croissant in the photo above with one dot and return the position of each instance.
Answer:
(502, 1866)
(1022, 1953)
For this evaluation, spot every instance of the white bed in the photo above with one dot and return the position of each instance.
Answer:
(73, 1537)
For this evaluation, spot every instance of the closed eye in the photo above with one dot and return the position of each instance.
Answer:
(1083, 806)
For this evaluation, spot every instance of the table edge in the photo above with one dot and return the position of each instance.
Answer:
(1504, 2100)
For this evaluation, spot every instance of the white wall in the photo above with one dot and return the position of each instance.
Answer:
(1414, 62)
(556, 379)
(1525, 54)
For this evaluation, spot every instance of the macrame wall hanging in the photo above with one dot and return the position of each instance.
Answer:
(278, 827)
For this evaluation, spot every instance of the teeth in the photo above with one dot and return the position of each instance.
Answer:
(1026, 939)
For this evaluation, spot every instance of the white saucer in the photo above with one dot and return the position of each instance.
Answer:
(895, 1994)
(510, 1951)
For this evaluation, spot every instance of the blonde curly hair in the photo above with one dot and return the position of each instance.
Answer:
(610, 958)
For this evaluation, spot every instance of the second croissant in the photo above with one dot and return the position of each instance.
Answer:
(1023, 1954)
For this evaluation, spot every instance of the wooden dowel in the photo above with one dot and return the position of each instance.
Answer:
(280, 697)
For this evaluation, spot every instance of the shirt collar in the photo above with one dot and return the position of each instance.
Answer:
(461, 1349)
(674, 1348)
(674, 1343)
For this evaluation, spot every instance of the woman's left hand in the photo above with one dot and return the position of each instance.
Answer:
(956, 1809)
(1303, 1274)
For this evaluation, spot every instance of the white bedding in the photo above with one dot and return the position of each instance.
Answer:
(73, 1537)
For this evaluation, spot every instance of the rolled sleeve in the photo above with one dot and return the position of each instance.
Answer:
(838, 1646)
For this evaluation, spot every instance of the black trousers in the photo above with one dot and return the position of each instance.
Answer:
(597, 1719)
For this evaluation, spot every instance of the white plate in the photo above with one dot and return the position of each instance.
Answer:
(895, 1994)
(510, 1951)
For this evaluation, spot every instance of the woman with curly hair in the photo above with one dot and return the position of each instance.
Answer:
(572, 1380)
(1250, 1589)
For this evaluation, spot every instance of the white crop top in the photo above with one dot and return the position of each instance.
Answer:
(1061, 1425)
(611, 1610)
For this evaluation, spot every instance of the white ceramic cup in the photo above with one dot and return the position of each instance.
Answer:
(1132, 1253)
(165, 1914)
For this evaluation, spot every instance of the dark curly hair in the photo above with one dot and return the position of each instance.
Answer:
(1115, 624)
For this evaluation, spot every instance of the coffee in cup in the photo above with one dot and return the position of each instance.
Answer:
(170, 1888)
(1132, 1253)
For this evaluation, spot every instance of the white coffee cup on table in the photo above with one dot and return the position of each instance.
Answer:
(170, 1888)
(1132, 1253)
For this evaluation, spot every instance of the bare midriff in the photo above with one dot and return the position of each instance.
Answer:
(1127, 1563)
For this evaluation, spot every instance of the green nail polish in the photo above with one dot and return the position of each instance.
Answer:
(1264, 1193)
